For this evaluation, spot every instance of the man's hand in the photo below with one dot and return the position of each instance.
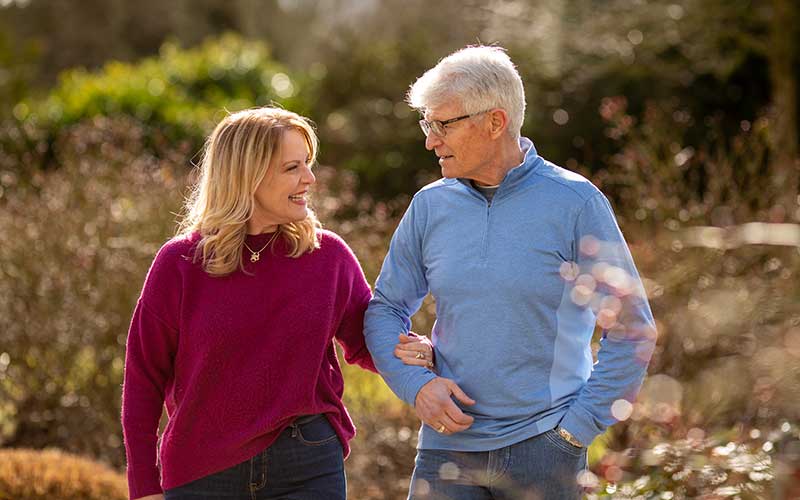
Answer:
(435, 408)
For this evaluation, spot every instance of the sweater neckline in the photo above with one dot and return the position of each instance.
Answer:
(260, 237)
(261, 240)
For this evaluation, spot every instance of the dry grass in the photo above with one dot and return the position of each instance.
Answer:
(54, 475)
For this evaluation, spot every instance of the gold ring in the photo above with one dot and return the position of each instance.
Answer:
(430, 364)
(420, 356)
(441, 429)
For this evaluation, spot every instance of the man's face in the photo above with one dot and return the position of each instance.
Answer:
(465, 150)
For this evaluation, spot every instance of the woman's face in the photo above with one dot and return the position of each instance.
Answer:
(281, 197)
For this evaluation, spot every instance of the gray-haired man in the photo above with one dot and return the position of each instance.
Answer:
(523, 259)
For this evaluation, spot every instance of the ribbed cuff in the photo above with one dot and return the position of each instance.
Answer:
(581, 425)
(143, 488)
(412, 388)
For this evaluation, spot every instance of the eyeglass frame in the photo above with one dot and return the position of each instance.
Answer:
(430, 126)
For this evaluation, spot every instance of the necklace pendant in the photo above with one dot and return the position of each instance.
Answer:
(254, 257)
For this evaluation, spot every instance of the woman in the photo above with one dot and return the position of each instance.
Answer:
(234, 327)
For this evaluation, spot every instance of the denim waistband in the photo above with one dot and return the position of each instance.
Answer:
(304, 419)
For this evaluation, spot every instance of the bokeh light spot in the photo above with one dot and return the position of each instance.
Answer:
(635, 37)
(587, 479)
(569, 270)
(675, 11)
(622, 409)
(561, 117)
(449, 471)
(422, 488)
(282, 85)
(589, 245)
(696, 434)
(156, 87)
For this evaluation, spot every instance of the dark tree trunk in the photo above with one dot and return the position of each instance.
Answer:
(782, 54)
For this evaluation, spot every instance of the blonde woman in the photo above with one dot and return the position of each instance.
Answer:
(234, 330)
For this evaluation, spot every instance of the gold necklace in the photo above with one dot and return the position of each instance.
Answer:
(254, 256)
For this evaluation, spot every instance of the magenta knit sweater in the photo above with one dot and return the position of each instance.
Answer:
(235, 359)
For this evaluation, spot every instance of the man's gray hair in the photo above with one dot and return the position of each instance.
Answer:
(480, 78)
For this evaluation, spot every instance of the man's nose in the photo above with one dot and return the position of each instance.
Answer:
(432, 140)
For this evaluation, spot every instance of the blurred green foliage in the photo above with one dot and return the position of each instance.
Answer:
(17, 70)
(180, 94)
(182, 88)
(351, 67)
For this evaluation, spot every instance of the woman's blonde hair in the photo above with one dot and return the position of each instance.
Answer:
(235, 160)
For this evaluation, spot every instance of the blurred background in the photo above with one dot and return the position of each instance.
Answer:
(684, 112)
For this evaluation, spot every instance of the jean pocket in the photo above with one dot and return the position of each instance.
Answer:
(317, 432)
(556, 440)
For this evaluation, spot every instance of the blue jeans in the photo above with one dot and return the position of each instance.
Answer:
(543, 467)
(306, 462)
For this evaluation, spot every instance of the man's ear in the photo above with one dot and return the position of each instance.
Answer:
(498, 122)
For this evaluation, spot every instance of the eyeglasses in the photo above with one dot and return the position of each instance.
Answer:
(438, 126)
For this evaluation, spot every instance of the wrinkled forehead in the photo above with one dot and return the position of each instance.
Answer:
(444, 110)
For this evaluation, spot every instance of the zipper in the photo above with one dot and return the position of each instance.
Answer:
(484, 253)
(485, 246)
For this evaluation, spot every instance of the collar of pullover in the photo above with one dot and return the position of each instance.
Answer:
(515, 177)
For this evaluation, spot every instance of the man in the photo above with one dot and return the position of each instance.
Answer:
(523, 259)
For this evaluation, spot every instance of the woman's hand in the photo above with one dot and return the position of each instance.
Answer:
(158, 496)
(415, 350)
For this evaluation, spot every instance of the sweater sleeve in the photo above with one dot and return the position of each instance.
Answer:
(150, 352)
(622, 310)
(399, 291)
(350, 333)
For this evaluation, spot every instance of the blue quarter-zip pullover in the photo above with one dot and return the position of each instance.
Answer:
(519, 284)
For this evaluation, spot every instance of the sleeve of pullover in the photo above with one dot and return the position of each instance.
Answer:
(151, 346)
(622, 311)
(350, 333)
(399, 291)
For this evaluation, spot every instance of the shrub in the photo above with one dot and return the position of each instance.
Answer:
(77, 244)
(55, 475)
(734, 464)
(178, 96)
(656, 181)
